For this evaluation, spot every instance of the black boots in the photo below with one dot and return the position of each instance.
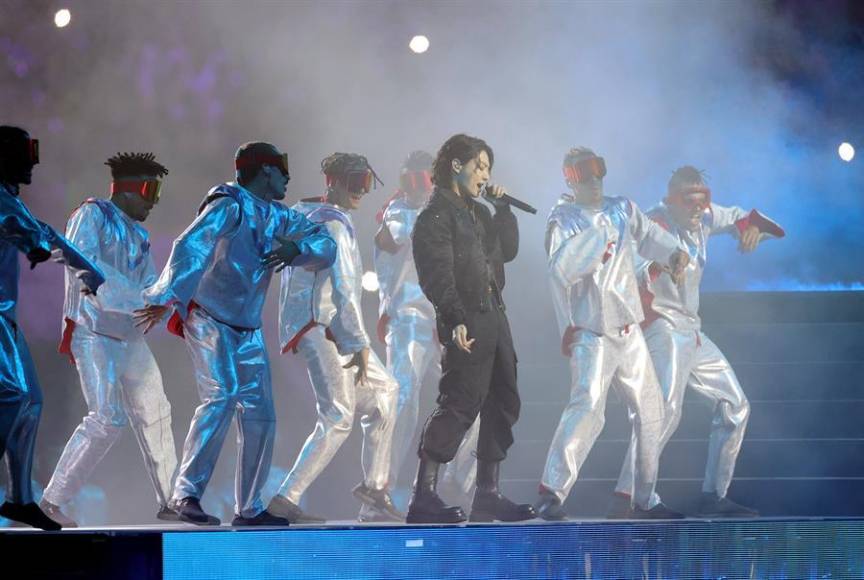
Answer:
(426, 507)
(490, 504)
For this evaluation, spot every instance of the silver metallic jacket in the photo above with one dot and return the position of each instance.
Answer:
(680, 304)
(216, 262)
(399, 290)
(120, 379)
(329, 297)
(20, 231)
(101, 229)
(591, 262)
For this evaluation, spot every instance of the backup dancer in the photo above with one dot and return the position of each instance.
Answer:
(20, 394)
(590, 241)
(406, 323)
(321, 317)
(120, 379)
(216, 280)
(684, 357)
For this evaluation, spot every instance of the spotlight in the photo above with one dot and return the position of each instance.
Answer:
(370, 281)
(419, 44)
(846, 151)
(62, 18)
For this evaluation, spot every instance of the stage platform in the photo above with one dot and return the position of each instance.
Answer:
(800, 548)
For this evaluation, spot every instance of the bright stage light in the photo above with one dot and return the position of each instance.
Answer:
(419, 44)
(846, 151)
(370, 281)
(62, 18)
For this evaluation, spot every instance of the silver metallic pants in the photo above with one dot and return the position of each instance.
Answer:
(119, 379)
(338, 399)
(691, 359)
(596, 363)
(20, 407)
(233, 374)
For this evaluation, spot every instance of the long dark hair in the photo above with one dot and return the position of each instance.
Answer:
(462, 147)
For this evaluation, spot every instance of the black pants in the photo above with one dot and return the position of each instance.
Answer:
(482, 382)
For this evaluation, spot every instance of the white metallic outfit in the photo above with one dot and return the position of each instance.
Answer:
(320, 316)
(683, 356)
(217, 284)
(597, 303)
(407, 323)
(119, 376)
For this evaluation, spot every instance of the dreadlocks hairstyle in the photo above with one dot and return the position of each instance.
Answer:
(684, 176)
(338, 164)
(132, 164)
(462, 147)
(578, 154)
(418, 161)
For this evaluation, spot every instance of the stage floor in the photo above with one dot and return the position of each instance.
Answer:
(796, 548)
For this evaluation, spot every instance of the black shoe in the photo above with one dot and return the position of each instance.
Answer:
(658, 512)
(619, 507)
(55, 513)
(490, 506)
(370, 515)
(426, 506)
(285, 508)
(549, 508)
(711, 506)
(379, 502)
(167, 514)
(30, 514)
(189, 510)
(264, 518)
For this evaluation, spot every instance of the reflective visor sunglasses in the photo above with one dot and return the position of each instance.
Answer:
(581, 171)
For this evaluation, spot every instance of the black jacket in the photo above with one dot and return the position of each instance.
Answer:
(460, 250)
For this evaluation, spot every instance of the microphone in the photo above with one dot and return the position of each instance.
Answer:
(518, 204)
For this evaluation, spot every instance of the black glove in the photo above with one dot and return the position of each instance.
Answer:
(37, 255)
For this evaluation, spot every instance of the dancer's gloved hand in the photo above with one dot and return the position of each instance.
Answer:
(361, 361)
(37, 255)
(281, 256)
(460, 338)
(749, 239)
(149, 316)
(677, 265)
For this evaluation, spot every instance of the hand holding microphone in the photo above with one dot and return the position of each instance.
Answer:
(496, 194)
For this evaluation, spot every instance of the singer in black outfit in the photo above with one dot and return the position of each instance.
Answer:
(460, 249)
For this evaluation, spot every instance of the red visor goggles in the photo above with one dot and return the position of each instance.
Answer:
(280, 161)
(149, 189)
(353, 181)
(416, 181)
(683, 198)
(33, 150)
(585, 169)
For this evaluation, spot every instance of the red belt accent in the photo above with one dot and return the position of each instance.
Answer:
(175, 323)
(568, 339)
(294, 342)
(66, 342)
(382, 327)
